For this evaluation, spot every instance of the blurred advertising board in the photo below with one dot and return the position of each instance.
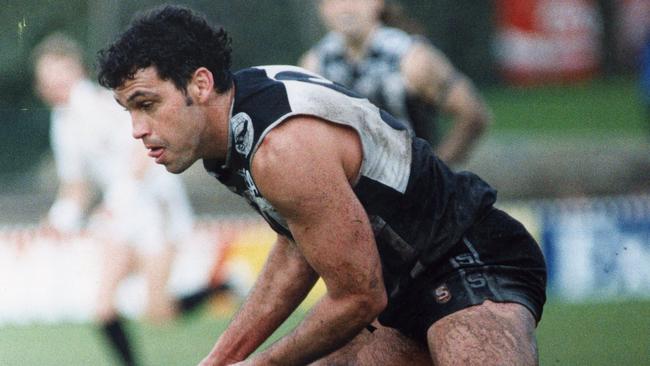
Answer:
(595, 249)
(599, 249)
(541, 41)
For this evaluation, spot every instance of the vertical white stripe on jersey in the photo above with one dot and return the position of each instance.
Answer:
(387, 152)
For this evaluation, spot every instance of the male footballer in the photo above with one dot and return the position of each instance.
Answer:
(419, 267)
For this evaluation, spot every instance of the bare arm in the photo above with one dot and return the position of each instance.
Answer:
(430, 75)
(304, 168)
(284, 282)
(74, 192)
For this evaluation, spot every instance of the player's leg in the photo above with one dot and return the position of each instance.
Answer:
(478, 305)
(178, 219)
(487, 334)
(156, 267)
(487, 297)
(117, 262)
(170, 220)
(218, 282)
(156, 259)
(381, 346)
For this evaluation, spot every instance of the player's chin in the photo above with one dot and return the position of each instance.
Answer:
(174, 169)
(177, 166)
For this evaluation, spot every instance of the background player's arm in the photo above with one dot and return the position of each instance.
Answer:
(74, 194)
(430, 75)
(304, 168)
(72, 201)
(283, 283)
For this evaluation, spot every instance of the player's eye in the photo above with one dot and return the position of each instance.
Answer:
(145, 105)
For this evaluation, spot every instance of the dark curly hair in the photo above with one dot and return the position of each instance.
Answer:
(173, 39)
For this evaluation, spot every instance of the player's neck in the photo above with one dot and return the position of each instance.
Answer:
(218, 129)
(357, 46)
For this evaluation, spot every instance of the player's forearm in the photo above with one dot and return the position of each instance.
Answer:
(284, 282)
(468, 127)
(330, 325)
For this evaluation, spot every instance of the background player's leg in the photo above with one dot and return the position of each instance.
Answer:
(157, 267)
(218, 283)
(188, 303)
(118, 339)
(117, 262)
(383, 346)
(487, 334)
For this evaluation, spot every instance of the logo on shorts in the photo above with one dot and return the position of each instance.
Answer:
(442, 294)
(242, 127)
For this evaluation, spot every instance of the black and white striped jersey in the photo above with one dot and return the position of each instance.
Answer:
(378, 75)
(418, 207)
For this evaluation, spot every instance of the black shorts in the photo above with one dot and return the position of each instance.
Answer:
(497, 259)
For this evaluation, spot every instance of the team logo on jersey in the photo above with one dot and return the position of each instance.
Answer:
(442, 294)
(242, 127)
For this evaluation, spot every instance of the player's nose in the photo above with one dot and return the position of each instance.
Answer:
(140, 127)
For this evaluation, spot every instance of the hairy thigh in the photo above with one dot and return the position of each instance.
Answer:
(383, 346)
(487, 334)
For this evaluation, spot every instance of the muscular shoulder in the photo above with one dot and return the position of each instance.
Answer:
(426, 69)
(304, 153)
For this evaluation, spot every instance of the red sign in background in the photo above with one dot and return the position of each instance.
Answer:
(542, 41)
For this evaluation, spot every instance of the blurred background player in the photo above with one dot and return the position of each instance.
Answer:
(143, 212)
(401, 73)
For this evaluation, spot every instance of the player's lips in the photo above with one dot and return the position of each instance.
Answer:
(156, 152)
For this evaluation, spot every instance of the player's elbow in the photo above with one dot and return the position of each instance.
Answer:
(478, 119)
(370, 305)
(381, 301)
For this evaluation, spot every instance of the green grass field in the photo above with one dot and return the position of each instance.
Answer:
(597, 334)
(599, 107)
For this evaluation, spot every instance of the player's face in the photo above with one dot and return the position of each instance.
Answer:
(165, 118)
(352, 18)
(55, 77)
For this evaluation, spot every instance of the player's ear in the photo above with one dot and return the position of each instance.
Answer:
(201, 85)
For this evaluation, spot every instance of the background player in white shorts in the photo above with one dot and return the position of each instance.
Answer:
(143, 211)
